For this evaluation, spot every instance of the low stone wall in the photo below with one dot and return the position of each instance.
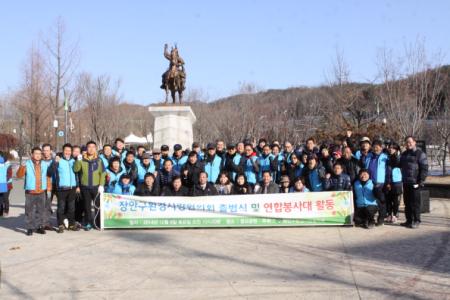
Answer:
(438, 190)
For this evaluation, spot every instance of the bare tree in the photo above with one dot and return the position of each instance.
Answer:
(442, 121)
(62, 58)
(348, 105)
(409, 89)
(30, 100)
(100, 98)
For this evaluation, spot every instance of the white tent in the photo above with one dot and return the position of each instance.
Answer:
(133, 139)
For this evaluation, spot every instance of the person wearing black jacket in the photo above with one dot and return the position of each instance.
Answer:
(350, 164)
(326, 160)
(414, 167)
(232, 163)
(339, 181)
(191, 170)
(167, 174)
(176, 188)
(130, 167)
(241, 187)
(203, 187)
(149, 187)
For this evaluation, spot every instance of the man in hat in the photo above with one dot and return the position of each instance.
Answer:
(157, 159)
(178, 158)
(212, 163)
(364, 150)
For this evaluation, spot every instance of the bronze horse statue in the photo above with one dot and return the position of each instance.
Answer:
(174, 78)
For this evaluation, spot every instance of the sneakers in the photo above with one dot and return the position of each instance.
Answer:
(394, 219)
(74, 228)
(415, 225)
(389, 219)
(41, 230)
(60, 229)
(48, 228)
(88, 227)
(29, 232)
(406, 224)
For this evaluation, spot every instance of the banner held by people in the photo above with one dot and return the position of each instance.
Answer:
(265, 210)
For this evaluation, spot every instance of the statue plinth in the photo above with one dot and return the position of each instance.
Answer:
(173, 125)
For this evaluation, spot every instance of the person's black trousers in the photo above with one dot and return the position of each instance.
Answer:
(392, 203)
(411, 197)
(91, 195)
(4, 203)
(66, 206)
(79, 207)
(366, 214)
(378, 192)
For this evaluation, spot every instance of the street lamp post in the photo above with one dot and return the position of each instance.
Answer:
(55, 126)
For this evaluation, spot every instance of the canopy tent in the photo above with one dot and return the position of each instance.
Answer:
(133, 139)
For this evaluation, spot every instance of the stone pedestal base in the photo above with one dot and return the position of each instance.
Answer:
(173, 125)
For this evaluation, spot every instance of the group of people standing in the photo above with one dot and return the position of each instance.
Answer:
(377, 172)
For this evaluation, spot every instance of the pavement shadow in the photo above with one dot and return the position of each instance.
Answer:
(276, 271)
(17, 223)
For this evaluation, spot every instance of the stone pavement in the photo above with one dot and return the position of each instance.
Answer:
(390, 262)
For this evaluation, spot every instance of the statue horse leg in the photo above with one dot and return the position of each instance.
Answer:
(167, 93)
(174, 95)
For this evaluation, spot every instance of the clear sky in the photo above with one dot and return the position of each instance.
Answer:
(275, 44)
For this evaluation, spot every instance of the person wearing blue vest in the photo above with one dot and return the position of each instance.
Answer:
(106, 155)
(364, 149)
(48, 211)
(140, 151)
(395, 188)
(314, 174)
(196, 147)
(232, 162)
(287, 152)
(267, 162)
(377, 163)
(145, 165)
(36, 183)
(124, 186)
(366, 203)
(113, 173)
(294, 168)
(251, 167)
(157, 159)
(212, 163)
(5, 184)
(65, 182)
(119, 148)
(178, 158)
(279, 159)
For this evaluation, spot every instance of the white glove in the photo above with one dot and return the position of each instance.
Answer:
(80, 157)
(101, 189)
(416, 186)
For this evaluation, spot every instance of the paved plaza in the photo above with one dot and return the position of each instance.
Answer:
(390, 262)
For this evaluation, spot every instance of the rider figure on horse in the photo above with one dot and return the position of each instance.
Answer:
(176, 68)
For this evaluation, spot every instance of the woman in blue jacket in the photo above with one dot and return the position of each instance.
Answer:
(366, 203)
(124, 187)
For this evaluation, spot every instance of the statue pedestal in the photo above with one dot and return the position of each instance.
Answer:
(173, 125)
